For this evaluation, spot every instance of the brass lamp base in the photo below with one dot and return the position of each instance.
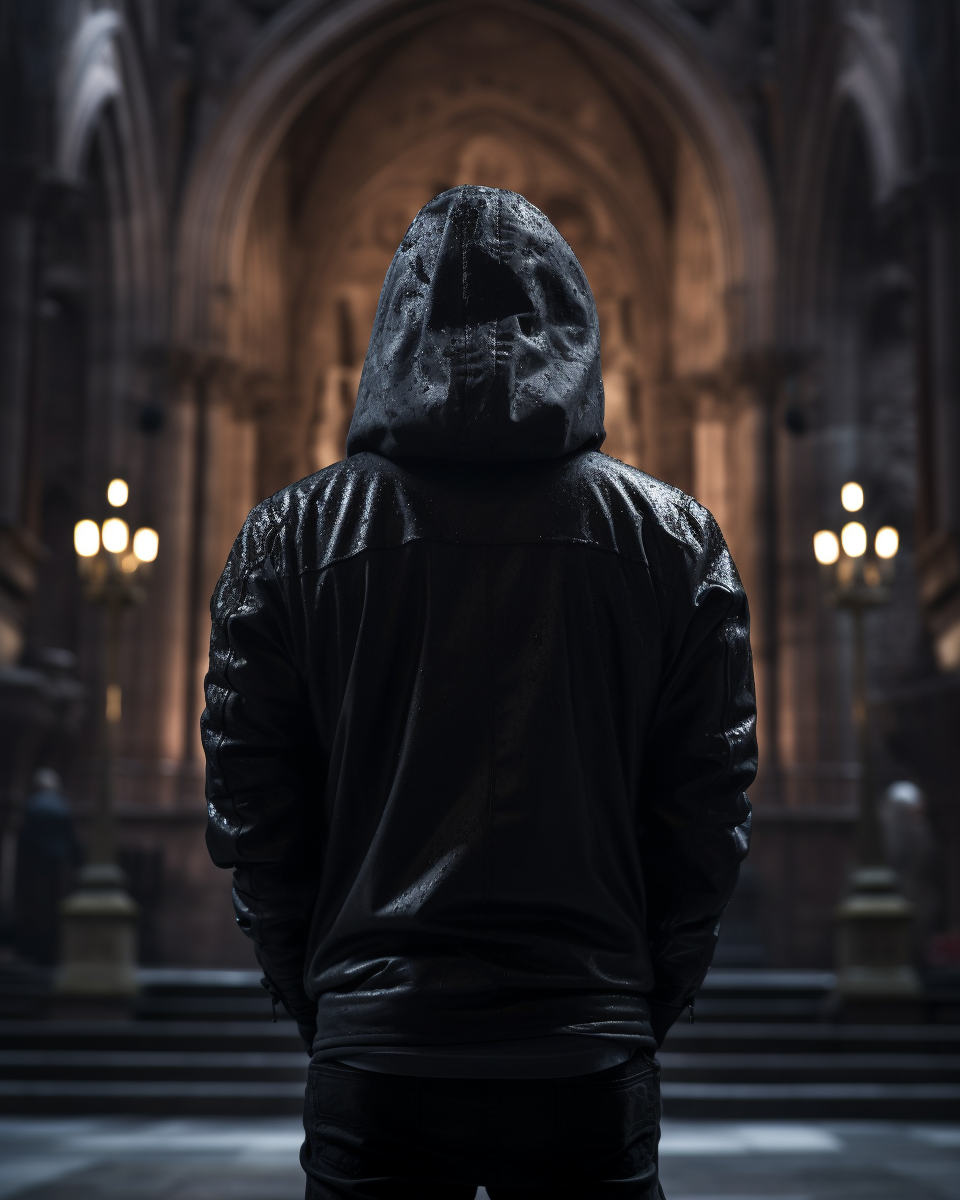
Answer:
(875, 977)
(98, 929)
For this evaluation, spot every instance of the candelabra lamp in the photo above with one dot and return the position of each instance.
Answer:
(875, 975)
(99, 919)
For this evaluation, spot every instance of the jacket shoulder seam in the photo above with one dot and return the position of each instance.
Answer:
(581, 543)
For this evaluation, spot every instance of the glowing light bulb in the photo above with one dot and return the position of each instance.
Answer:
(853, 538)
(116, 535)
(118, 493)
(887, 542)
(826, 547)
(86, 538)
(146, 543)
(851, 497)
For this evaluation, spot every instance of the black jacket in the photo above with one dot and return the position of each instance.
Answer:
(480, 709)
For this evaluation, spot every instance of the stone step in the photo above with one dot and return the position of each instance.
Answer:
(193, 1036)
(821, 1101)
(728, 995)
(207, 1008)
(252, 1068)
(286, 1066)
(173, 1098)
(153, 1065)
(810, 1068)
(772, 1037)
(700, 1100)
(735, 1038)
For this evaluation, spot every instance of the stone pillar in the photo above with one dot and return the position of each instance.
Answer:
(938, 554)
(16, 289)
(933, 39)
(223, 492)
(19, 549)
(22, 701)
(733, 471)
(711, 458)
(169, 604)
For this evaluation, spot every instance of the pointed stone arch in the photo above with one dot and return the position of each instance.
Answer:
(102, 83)
(648, 58)
(311, 42)
(872, 80)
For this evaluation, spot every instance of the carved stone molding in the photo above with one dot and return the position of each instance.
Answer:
(309, 44)
(872, 80)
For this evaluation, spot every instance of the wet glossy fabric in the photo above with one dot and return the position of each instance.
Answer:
(478, 740)
(486, 343)
(478, 730)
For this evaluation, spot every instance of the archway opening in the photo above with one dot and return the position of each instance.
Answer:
(610, 121)
(501, 100)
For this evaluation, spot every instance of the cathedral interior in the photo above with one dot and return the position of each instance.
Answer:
(200, 200)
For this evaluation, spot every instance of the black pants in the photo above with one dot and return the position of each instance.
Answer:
(373, 1136)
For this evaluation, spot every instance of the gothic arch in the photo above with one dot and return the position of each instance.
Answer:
(847, 289)
(309, 43)
(101, 84)
(859, 80)
(872, 80)
(500, 119)
(648, 59)
(89, 80)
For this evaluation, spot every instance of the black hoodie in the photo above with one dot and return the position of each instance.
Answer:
(480, 712)
(486, 345)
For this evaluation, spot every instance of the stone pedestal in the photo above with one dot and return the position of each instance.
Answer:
(98, 949)
(875, 977)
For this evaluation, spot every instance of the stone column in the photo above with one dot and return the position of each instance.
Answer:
(734, 469)
(938, 554)
(169, 604)
(23, 703)
(711, 465)
(19, 549)
(223, 492)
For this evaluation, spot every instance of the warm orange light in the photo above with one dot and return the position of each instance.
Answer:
(853, 538)
(117, 492)
(146, 543)
(851, 497)
(826, 547)
(86, 538)
(887, 542)
(116, 535)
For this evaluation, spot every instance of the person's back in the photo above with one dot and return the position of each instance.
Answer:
(479, 723)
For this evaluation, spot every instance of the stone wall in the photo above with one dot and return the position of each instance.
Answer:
(199, 205)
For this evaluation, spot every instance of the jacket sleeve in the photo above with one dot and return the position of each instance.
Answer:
(700, 756)
(262, 802)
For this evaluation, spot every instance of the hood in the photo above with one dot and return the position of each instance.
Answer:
(486, 344)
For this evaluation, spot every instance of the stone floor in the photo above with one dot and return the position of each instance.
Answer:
(113, 1158)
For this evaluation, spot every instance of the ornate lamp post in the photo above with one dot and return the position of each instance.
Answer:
(874, 919)
(98, 954)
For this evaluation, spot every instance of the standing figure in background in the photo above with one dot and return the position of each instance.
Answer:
(480, 720)
(48, 855)
(909, 849)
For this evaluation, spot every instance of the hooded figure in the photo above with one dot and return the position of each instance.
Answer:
(486, 346)
(480, 720)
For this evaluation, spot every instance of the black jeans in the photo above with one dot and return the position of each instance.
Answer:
(373, 1136)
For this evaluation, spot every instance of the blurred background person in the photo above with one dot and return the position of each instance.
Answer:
(48, 855)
